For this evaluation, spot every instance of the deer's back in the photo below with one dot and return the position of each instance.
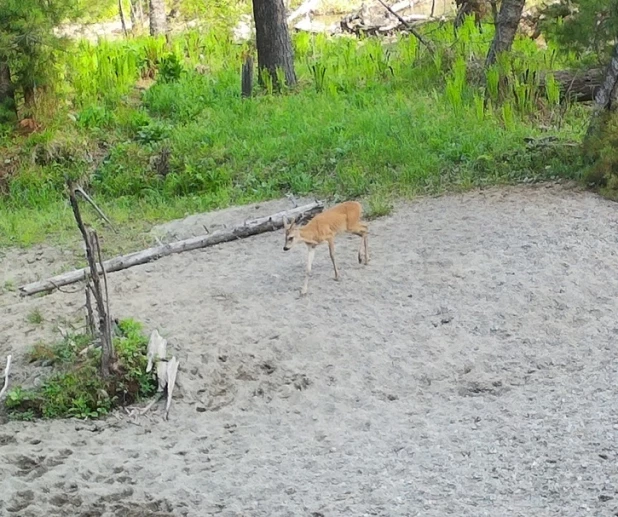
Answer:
(335, 220)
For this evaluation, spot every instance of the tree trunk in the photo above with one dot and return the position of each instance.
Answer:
(7, 94)
(508, 20)
(274, 46)
(158, 19)
(137, 15)
(122, 18)
(29, 96)
(606, 98)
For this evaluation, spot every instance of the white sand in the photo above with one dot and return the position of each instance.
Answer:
(469, 370)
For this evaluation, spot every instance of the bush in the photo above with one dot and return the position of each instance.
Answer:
(75, 388)
(601, 152)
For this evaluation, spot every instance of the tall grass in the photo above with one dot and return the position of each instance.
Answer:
(367, 118)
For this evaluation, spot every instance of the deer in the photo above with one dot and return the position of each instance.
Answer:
(342, 218)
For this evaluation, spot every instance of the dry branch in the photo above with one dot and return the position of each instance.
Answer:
(93, 253)
(249, 228)
(94, 205)
(6, 376)
(382, 19)
(416, 34)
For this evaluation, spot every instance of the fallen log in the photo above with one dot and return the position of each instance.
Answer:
(578, 85)
(247, 229)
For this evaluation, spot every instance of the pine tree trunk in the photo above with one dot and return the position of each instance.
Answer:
(158, 19)
(274, 46)
(7, 95)
(29, 96)
(508, 20)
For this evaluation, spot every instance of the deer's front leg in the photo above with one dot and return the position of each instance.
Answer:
(310, 255)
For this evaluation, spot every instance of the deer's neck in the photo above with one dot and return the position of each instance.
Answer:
(307, 236)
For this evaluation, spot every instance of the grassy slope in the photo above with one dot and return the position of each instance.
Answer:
(384, 121)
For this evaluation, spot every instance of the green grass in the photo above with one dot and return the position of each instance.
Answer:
(35, 317)
(75, 388)
(368, 120)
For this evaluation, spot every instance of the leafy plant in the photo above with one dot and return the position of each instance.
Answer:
(75, 388)
(318, 71)
(170, 69)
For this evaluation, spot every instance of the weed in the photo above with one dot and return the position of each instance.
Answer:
(75, 388)
(35, 317)
(9, 286)
(379, 206)
(170, 69)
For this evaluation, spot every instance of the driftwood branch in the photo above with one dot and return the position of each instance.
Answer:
(166, 370)
(6, 376)
(416, 34)
(249, 228)
(172, 371)
(157, 355)
(303, 10)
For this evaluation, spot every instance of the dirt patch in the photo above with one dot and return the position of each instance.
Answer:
(470, 369)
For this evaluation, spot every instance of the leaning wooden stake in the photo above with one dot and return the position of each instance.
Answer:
(249, 228)
(100, 294)
(6, 376)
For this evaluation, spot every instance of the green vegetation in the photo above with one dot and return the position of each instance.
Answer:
(35, 317)
(368, 119)
(587, 27)
(75, 388)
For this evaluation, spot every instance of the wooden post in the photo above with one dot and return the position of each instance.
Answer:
(93, 254)
(247, 77)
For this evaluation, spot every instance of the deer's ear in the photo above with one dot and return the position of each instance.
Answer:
(286, 224)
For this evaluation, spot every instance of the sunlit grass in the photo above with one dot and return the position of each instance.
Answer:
(367, 120)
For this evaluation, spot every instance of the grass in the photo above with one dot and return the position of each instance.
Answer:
(35, 317)
(369, 120)
(75, 388)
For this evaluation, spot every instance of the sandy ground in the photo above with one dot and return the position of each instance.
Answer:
(469, 370)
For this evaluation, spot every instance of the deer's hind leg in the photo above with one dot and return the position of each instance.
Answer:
(362, 230)
(331, 250)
